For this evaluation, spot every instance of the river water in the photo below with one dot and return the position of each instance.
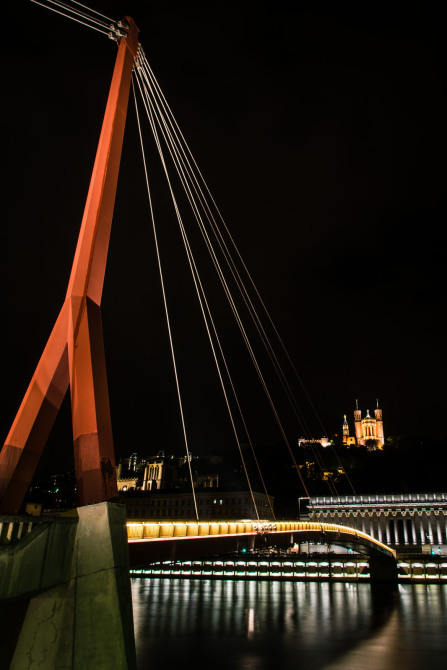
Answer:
(250, 625)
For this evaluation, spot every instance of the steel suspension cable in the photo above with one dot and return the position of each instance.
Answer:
(188, 150)
(253, 357)
(218, 342)
(172, 151)
(229, 297)
(195, 274)
(171, 344)
(109, 27)
(176, 144)
(36, 2)
(74, 2)
(236, 275)
(196, 278)
(237, 278)
(242, 289)
(77, 12)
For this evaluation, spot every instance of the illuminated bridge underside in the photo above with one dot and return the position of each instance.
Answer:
(154, 541)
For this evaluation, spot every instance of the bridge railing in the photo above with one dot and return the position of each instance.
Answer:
(14, 528)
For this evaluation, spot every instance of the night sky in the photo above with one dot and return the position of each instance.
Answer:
(322, 135)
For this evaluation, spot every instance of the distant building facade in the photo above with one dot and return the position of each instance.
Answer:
(127, 483)
(305, 442)
(179, 505)
(160, 472)
(409, 522)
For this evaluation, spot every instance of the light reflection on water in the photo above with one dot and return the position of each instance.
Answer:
(249, 625)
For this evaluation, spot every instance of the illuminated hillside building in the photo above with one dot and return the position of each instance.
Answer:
(368, 431)
(305, 442)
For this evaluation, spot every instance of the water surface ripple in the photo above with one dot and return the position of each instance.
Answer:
(250, 625)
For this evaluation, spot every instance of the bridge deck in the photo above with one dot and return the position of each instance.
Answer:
(153, 531)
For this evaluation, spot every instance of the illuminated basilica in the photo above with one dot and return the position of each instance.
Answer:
(368, 431)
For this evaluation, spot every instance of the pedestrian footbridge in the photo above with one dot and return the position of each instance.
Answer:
(159, 540)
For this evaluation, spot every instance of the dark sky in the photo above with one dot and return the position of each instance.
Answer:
(321, 133)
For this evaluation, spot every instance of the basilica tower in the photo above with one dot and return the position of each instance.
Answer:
(345, 428)
(358, 423)
(379, 425)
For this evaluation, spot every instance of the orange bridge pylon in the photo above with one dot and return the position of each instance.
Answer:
(74, 354)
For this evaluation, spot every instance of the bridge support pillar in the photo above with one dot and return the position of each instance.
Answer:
(85, 620)
(383, 569)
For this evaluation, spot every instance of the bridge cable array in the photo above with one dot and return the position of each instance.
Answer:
(164, 126)
(187, 154)
(204, 306)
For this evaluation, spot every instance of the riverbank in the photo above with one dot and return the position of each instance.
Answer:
(337, 568)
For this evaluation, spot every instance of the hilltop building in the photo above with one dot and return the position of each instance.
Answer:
(368, 431)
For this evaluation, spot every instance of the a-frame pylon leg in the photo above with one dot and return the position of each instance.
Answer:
(92, 428)
(32, 425)
(75, 352)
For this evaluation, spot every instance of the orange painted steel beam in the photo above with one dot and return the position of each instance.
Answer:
(74, 354)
